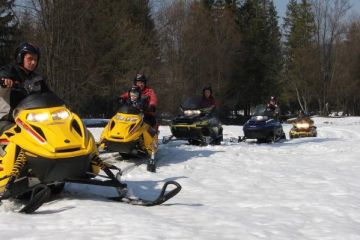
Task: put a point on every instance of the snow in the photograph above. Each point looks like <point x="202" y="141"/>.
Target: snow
<point x="305" y="188"/>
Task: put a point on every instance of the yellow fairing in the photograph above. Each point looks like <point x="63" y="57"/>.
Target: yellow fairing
<point x="125" y="128"/>
<point x="6" y="164"/>
<point x="302" y="133"/>
<point x="58" y="136"/>
<point x="50" y="133"/>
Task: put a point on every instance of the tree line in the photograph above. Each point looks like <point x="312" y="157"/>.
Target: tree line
<point x="91" y="50"/>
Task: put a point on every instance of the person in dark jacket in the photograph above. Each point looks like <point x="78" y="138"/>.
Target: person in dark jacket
<point x="207" y="98"/>
<point x="27" y="57"/>
<point x="147" y="93"/>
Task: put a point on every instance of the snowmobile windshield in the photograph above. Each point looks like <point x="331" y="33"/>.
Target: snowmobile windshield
<point x="40" y="100"/>
<point x="128" y="109"/>
<point x="196" y="103"/>
<point x="304" y="120"/>
<point x="262" y="110"/>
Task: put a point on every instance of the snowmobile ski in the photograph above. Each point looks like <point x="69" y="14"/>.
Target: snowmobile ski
<point x="40" y="193"/>
<point x="163" y="196"/>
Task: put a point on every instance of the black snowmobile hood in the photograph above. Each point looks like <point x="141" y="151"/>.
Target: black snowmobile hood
<point x="40" y="100"/>
<point x="128" y="109"/>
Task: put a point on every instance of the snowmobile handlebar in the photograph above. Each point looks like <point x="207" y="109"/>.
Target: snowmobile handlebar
<point x="30" y="86"/>
<point x="3" y="85"/>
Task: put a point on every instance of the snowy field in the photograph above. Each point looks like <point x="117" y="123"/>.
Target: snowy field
<point x="298" y="189"/>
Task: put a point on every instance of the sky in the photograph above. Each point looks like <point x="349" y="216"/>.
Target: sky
<point x="281" y="7"/>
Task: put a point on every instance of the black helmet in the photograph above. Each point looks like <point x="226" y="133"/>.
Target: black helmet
<point x="140" y="77"/>
<point x="24" y="48"/>
<point x="136" y="91"/>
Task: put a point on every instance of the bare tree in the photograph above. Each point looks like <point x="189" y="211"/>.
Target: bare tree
<point x="346" y="83"/>
<point x="329" y="16"/>
<point x="90" y="66"/>
<point x="198" y="47"/>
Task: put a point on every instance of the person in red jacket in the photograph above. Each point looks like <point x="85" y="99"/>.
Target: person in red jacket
<point x="149" y="95"/>
<point x="207" y="98"/>
<point x="273" y="107"/>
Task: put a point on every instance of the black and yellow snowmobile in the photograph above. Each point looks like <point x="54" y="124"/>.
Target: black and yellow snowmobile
<point x="48" y="146"/>
<point x="303" y="127"/>
<point x="128" y="134"/>
<point x="198" y="124"/>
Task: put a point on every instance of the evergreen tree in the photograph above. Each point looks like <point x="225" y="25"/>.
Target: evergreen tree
<point x="260" y="61"/>
<point x="300" y="58"/>
<point x="8" y="31"/>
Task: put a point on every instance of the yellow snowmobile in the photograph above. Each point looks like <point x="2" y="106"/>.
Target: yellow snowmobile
<point x="48" y="146"/>
<point x="303" y="127"/>
<point x="128" y="134"/>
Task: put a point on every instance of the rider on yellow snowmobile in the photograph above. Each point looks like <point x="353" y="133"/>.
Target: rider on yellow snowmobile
<point x="129" y="132"/>
<point x="134" y="99"/>
<point x="27" y="57"/>
<point x="149" y="112"/>
<point x="303" y="126"/>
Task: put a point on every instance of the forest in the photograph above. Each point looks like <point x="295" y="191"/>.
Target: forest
<point x="91" y="50"/>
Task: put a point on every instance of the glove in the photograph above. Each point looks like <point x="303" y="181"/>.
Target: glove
<point x="6" y="82"/>
<point x="137" y="105"/>
<point x="121" y="101"/>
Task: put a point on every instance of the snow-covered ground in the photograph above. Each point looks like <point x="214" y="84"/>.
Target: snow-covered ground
<point x="299" y="189"/>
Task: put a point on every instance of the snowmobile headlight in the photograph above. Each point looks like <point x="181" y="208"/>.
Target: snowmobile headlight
<point x="119" y="117"/>
<point x="37" y="117"/>
<point x="132" y="119"/>
<point x="60" y="115"/>
<point x="192" y="112"/>
<point x="261" y="118"/>
<point x="303" y="125"/>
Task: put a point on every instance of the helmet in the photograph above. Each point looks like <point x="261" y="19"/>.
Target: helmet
<point x="273" y="98"/>
<point x="24" y="48"/>
<point x="135" y="91"/>
<point x="140" y="77"/>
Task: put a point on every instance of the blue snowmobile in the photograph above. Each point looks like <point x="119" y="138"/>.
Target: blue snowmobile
<point x="264" y="126"/>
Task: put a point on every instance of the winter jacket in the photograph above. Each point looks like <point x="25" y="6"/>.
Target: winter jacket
<point x="139" y="104"/>
<point x="274" y="109"/>
<point x="10" y="98"/>
<point x="152" y="99"/>
<point x="206" y="102"/>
